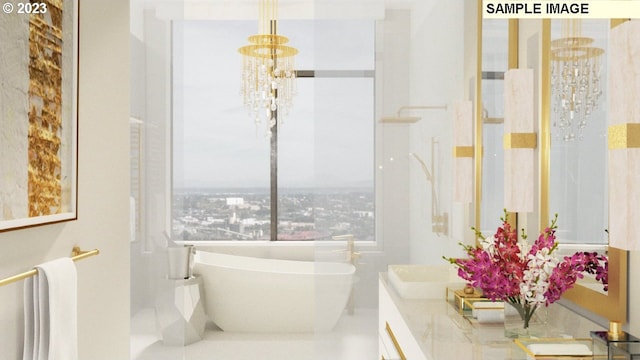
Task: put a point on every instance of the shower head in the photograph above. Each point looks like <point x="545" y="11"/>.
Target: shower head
<point x="424" y="167"/>
<point x="399" y="119"/>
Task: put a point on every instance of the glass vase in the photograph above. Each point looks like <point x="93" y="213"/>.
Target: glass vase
<point x="524" y="320"/>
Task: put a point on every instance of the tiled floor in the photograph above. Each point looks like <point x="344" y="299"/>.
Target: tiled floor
<point x="354" y="338"/>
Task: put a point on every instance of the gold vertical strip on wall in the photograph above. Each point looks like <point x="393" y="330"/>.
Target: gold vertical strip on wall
<point x="513" y="61"/>
<point x="545" y="122"/>
<point x="478" y="128"/>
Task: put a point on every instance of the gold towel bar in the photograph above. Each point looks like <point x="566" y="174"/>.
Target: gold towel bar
<point x="76" y="254"/>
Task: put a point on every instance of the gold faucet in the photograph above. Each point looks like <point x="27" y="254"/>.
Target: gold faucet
<point x="352" y="257"/>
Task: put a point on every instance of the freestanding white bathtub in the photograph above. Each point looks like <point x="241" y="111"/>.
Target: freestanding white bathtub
<point x="246" y="294"/>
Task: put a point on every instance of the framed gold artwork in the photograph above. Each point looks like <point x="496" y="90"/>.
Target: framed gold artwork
<point x="38" y="113"/>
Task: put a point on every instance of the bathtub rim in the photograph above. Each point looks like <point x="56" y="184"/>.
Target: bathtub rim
<point x="297" y="263"/>
<point x="367" y="245"/>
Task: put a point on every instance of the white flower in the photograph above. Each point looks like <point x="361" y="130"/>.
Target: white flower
<point x="489" y="245"/>
<point x="536" y="277"/>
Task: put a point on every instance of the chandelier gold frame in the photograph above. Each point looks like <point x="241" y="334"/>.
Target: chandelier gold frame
<point x="268" y="70"/>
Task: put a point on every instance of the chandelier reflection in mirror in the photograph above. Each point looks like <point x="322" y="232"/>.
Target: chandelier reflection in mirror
<point x="268" y="71"/>
<point x="575" y="80"/>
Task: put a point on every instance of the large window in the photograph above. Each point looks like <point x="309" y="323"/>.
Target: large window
<point x="221" y="158"/>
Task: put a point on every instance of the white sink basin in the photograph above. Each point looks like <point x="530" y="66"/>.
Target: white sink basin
<point x="423" y="281"/>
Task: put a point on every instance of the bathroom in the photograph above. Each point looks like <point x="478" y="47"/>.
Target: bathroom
<point x="373" y="83"/>
<point x="125" y="80"/>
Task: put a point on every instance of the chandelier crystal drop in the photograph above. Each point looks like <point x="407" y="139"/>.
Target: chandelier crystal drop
<point x="575" y="80"/>
<point x="268" y="70"/>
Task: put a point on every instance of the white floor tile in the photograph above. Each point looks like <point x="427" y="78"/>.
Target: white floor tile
<point x="354" y="338"/>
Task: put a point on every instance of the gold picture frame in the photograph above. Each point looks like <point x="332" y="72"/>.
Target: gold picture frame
<point x="39" y="114"/>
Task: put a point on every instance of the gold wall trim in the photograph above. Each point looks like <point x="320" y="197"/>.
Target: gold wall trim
<point x="463" y="151"/>
<point x="494" y="120"/>
<point x="613" y="305"/>
<point x="624" y="136"/>
<point x="616" y="22"/>
<point x="520" y="140"/>
<point x="513" y="62"/>
<point x="479" y="122"/>
<point x="513" y="43"/>
<point x="395" y="341"/>
<point x="545" y="123"/>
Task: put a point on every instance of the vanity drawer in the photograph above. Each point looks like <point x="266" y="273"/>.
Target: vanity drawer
<point x="389" y="347"/>
<point x="395" y="337"/>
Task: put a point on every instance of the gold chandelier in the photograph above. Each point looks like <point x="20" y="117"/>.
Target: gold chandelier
<point x="268" y="71"/>
<point x="575" y="80"/>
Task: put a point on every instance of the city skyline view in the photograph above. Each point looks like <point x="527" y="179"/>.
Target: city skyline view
<point x="245" y="214"/>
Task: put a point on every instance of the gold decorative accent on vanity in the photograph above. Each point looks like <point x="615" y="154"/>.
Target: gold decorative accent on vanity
<point x="458" y="297"/>
<point x="520" y="140"/>
<point x="578" y="348"/>
<point x="624" y="136"/>
<point x="615" y="329"/>
<point x="395" y="341"/>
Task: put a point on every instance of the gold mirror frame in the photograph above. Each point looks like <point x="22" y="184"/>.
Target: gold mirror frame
<point x="512" y="63"/>
<point x="477" y="148"/>
<point x="613" y="305"/>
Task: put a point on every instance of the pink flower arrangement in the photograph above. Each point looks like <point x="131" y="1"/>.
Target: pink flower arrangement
<point x="506" y="269"/>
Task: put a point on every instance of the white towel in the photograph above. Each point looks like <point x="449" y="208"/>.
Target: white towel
<point x="29" y="320"/>
<point x="560" y="349"/>
<point x="32" y="319"/>
<point x="490" y="316"/>
<point x="51" y="315"/>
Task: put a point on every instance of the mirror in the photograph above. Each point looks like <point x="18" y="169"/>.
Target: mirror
<point x="499" y="54"/>
<point x="570" y="175"/>
<point x="578" y="154"/>
<point x="574" y="154"/>
<point x="496" y="60"/>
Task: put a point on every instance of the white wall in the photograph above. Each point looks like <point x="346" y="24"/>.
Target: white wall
<point x="392" y="140"/>
<point x="437" y="78"/>
<point x="151" y="102"/>
<point x="103" y="199"/>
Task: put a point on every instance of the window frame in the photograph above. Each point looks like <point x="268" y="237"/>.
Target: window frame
<point x="301" y="75"/>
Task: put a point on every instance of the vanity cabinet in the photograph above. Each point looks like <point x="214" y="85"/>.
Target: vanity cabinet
<point x="396" y="340"/>
<point x="433" y="329"/>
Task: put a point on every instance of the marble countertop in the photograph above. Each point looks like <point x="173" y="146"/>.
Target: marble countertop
<point x="443" y="333"/>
